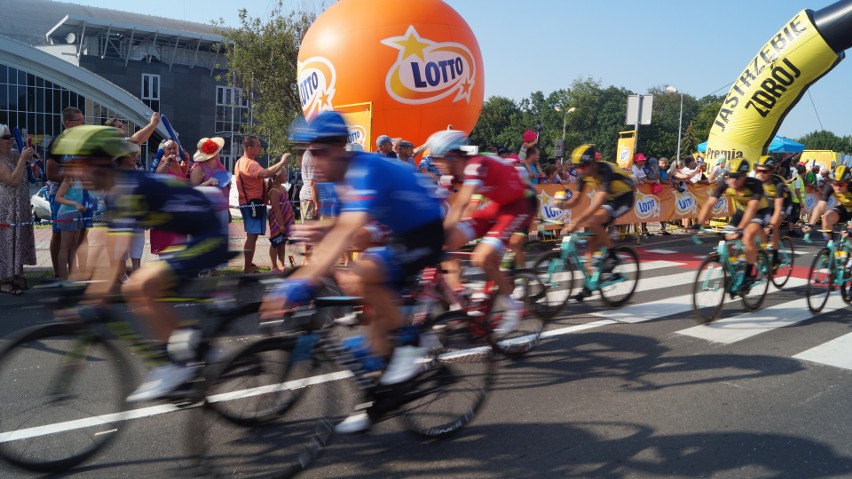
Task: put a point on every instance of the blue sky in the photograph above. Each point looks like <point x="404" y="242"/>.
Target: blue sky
<point x="528" y="45"/>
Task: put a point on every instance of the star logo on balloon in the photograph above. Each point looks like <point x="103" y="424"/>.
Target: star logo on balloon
<point x="315" y="80"/>
<point x="427" y="71"/>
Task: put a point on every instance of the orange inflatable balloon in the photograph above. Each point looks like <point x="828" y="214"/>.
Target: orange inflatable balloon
<point x="417" y="62"/>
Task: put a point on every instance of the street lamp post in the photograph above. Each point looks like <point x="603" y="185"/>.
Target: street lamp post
<point x="565" y="118"/>
<point x="672" y="89"/>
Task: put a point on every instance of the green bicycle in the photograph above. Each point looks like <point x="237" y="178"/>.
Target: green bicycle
<point x="831" y="268"/>
<point x="615" y="274"/>
<point x="724" y="272"/>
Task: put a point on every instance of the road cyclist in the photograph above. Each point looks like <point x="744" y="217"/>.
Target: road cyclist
<point x="780" y="251"/>
<point x="400" y="205"/>
<point x="753" y="212"/>
<point x="613" y="194"/>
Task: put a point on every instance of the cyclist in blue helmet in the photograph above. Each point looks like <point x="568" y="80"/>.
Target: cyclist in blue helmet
<point x="377" y="195"/>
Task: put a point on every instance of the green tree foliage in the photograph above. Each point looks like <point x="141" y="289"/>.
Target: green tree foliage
<point x="826" y="140"/>
<point x="262" y="55"/>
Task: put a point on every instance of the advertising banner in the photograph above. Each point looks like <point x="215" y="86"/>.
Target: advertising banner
<point x="359" y="118"/>
<point x="625" y="149"/>
<point x="771" y="84"/>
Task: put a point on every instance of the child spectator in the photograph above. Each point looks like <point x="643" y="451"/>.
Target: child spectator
<point x="281" y="219"/>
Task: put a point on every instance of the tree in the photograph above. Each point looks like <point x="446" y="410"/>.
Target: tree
<point x="826" y="140"/>
<point x="262" y="56"/>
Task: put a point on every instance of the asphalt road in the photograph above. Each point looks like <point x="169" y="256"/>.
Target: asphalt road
<point x="637" y="392"/>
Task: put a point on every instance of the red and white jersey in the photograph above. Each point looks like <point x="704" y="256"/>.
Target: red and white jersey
<point x="495" y="179"/>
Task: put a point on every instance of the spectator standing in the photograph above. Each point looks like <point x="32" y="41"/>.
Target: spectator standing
<point x="252" y="196"/>
<point x="529" y="155"/>
<point x="811" y="179"/>
<point x="70" y="218"/>
<point x="137" y="239"/>
<point x="208" y="169"/>
<point x="17" y="244"/>
<point x="664" y="179"/>
<point x="71" y="117"/>
<point x="384" y="146"/>
<point x="170" y="164"/>
<point x="797" y="190"/>
<point x="406" y="153"/>
<point x="281" y="218"/>
<point x="308" y="195"/>
<point x="718" y="173"/>
<point x="427" y="167"/>
<point x="551" y="175"/>
<point x="640" y="177"/>
<point x="140" y="136"/>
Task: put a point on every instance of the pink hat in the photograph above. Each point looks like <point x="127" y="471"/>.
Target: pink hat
<point x="529" y="136"/>
<point x="639" y="157"/>
<point x="513" y="157"/>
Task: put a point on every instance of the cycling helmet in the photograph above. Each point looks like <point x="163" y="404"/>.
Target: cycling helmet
<point x="585" y="155"/>
<point x="90" y="141"/>
<point x="840" y="174"/>
<point x="767" y="161"/>
<point x="446" y="141"/>
<point x="738" y="167"/>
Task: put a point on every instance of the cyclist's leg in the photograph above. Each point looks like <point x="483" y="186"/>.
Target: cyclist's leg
<point x="382" y="302"/>
<point x="830" y="218"/>
<point x="750" y="232"/>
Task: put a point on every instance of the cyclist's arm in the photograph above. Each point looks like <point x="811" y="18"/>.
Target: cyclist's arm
<point x="705" y="209"/>
<point x="597" y="201"/>
<point x="750" y="211"/>
<point x="460" y="203"/>
<point x="776" y="213"/>
<point x="336" y="242"/>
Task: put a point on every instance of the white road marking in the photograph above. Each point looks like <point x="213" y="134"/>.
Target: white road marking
<point x="833" y="353"/>
<point x="661" y="251"/>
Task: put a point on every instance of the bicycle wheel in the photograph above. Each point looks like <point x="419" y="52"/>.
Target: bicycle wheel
<point x="617" y="288"/>
<point x="709" y="288"/>
<point x="558" y="276"/>
<point x="453" y="388"/>
<point x="753" y="298"/>
<point x="528" y="289"/>
<point x="820" y="280"/>
<point x="786" y="257"/>
<point x="266" y="414"/>
<point x="64" y="393"/>
<point x="846" y="286"/>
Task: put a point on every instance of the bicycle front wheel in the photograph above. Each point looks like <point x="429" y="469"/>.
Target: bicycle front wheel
<point x="265" y="413"/>
<point x="709" y="288"/>
<point x="453" y="388"/>
<point x="782" y="270"/>
<point x="846" y="286"/>
<point x="64" y="391"/>
<point x="558" y="275"/>
<point x="753" y="298"/>
<point x="820" y="280"/>
<point x="617" y="287"/>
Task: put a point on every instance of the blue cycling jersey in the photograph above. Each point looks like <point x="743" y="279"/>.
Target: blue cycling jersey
<point x="143" y="200"/>
<point x="390" y="192"/>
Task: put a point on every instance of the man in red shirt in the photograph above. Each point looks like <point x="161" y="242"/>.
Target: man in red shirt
<point x="249" y="177"/>
<point x="509" y="210"/>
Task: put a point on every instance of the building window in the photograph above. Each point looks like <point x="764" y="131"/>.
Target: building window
<point x="151" y="91"/>
<point x="232" y="112"/>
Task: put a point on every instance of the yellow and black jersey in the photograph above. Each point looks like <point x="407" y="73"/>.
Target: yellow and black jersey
<point x="844" y="199"/>
<point x="776" y="188"/>
<point x="751" y="190"/>
<point x="611" y="179"/>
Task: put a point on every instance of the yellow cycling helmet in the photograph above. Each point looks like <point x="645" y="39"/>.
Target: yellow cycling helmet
<point x="90" y="141"/>
<point x="737" y="167"/>
<point x="767" y="161"/>
<point x="585" y="155"/>
<point x="841" y="174"/>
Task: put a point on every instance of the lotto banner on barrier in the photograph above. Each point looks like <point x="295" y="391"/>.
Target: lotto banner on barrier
<point x="359" y="117"/>
<point x="625" y="149"/>
<point x="669" y="204"/>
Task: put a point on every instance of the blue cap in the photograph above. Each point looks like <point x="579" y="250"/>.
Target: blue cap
<point x="328" y="124"/>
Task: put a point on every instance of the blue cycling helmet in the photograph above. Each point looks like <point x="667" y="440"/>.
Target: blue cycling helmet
<point x="328" y="125"/>
<point x="445" y="141"/>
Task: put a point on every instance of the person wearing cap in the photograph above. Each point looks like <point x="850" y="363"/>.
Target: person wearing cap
<point x="249" y="176"/>
<point x="382" y="203"/>
<point x="142" y="200"/>
<point x="136" y="244"/>
<point x="406" y="153"/>
<point x="836" y="185"/>
<point x="384" y="146"/>
<point x="208" y="171"/>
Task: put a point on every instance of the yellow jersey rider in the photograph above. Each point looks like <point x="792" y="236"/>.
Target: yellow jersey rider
<point x="779" y="196"/>
<point x="838" y="186"/>
<point x="614" y="196"/>
<point x="753" y="210"/>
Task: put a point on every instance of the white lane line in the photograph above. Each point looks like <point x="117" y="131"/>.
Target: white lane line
<point x="641" y="312"/>
<point x="833" y="353"/>
<point x="746" y="325"/>
<point x="661" y="251"/>
<point x="651" y="265"/>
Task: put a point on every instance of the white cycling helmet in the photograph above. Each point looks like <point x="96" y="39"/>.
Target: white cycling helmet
<point x="445" y="141"/>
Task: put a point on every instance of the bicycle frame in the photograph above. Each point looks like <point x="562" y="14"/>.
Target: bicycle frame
<point x="724" y="249"/>
<point x="570" y="251"/>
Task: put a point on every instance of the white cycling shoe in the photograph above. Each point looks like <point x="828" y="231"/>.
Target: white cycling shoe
<point x="512" y="315"/>
<point x="403" y="365"/>
<point x="358" y="422"/>
<point x="162" y="380"/>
